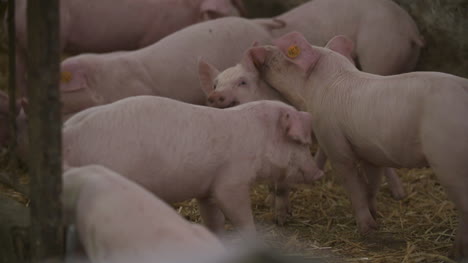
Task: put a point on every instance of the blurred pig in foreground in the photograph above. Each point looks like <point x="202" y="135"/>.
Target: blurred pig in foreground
<point x="119" y="221"/>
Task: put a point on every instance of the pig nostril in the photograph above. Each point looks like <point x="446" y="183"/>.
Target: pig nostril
<point x="210" y="101"/>
<point x="221" y="99"/>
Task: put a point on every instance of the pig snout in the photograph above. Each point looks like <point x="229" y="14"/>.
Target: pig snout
<point x="304" y="173"/>
<point x="220" y="100"/>
<point x="311" y="172"/>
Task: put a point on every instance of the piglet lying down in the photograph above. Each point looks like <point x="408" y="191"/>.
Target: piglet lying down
<point x="181" y="151"/>
<point x="119" y="221"/>
<point x="409" y="120"/>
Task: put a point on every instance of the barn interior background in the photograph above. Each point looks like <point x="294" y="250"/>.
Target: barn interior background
<point x="419" y="228"/>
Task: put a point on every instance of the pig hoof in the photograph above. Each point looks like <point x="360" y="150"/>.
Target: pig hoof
<point x="399" y="195"/>
<point x="280" y="220"/>
<point x="270" y="200"/>
<point x="368" y="227"/>
<point x="459" y="251"/>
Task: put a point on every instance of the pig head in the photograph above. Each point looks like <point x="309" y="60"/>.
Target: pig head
<point x="291" y="152"/>
<point x="236" y="85"/>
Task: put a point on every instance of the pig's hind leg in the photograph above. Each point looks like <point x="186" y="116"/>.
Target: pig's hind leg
<point x="234" y="201"/>
<point x="395" y="184"/>
<point x="452" y="172"/>
<point x="211" y="215"/>
<point x="374" y="179"/>
<point x="278" y="200"/>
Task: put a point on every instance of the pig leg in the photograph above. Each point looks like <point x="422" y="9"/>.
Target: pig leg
<point x="75" y="252"/>
<point x="344" y="161"/>
<point x="282" y="205"/>
<point x="448" y="159"/>
<point x="320" y="159"/>
<point x="211" y="215"/>
<point x="460" y="249"/>
<point x="270" y="200"/>
<point x="395" y="184"/>
<point x="456" y="190"/>
<point x="357" y="190"/>
<point x="278" y="201"/>
<point x="453" y="175"/>
<point x="234" y="201"/>
<point x="374" y="179"/>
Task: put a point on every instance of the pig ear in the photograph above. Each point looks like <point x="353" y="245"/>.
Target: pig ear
<point x="207" y="74"/>
<point x="297" y="126"/>
<point x="212" y="9"/>
<point x="72" y="78"/>
<point x="296" y="48"/>
<point x="343" y="45"/>
<point x="239" y="4"/>
<point x="254" y="58"/>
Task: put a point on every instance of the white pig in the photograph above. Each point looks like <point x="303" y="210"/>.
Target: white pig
<point x="120" y="221"/>
<point x="242" y="83"/>
<point x="167" y="68"/>
<point x="114" y="25"/>
<point x="409" y="120"/>
<point x="387" y="39"/>
<point x="181" y="151"/>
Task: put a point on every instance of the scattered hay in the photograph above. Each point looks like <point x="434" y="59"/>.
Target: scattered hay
<point x="419" y="228"/>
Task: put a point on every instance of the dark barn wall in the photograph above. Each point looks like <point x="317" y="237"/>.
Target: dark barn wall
<point x="443" y="23"/>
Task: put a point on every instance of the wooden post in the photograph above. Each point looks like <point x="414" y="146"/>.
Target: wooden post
<point x="14" y="215"/>
<point x="47" y="238"/>
<point x="12" y="76"/>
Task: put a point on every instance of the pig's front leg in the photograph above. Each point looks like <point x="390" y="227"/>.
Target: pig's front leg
<point x="395" y="184"/>
<point x="211" y="215"/>
<point x="357" y="190"/>
<point x="270" y="200"/>
<point x="320" y="158"/>
<point x="282" y="204"/>
<point x="278" y="200"/>
<point x="234" y="201"/>
<point x="75" y="252"/>
<point x="374" y="179"/>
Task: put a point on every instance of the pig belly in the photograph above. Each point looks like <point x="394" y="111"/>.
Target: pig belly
<point x="403" y="155"/>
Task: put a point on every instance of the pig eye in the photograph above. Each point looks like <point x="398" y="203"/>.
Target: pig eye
<point x="242" y="83"/>
<point x="214" y="86"/>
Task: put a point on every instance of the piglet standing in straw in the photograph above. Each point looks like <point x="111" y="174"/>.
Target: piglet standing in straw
<point x="410" y="120"/>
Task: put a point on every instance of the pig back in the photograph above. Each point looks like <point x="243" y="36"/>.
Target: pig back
<point x="172" y="62"/>
<point x="140" y="136"/>
<point x="117" y="218"/>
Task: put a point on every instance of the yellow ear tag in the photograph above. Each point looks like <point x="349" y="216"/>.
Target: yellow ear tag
<point x="66" y="76"/>
<point x="293" y="51"/>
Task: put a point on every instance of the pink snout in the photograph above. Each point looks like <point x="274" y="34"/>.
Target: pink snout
<point x="311" y="172"/>
<point x="220" y="100"/>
